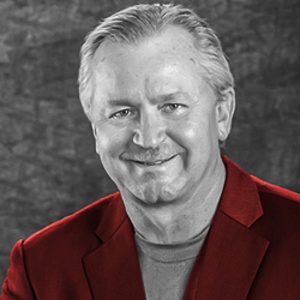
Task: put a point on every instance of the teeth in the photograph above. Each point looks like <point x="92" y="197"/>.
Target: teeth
<point x="159" y="162"/>
<point x="155" y="163"/>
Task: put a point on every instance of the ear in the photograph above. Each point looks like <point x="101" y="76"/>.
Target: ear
<point x="224" y="113"/>
<point x="94" y="130"/>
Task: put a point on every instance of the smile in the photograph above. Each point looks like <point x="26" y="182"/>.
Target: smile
<point x="153" y="163"/>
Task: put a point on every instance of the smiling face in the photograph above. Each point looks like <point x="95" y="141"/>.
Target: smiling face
<point x="155" y="118"/>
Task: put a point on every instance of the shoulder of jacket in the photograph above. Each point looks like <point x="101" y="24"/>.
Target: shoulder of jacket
<point x="275" y="191"/>
<point x="85" y="219"/>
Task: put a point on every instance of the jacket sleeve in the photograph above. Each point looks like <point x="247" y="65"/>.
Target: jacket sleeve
<point x="16" y="286"/>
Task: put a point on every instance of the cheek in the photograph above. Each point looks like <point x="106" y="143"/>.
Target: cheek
<point x="197" y="136"/>
<point x="189" y="133"/>
<point x="111" y="141"/>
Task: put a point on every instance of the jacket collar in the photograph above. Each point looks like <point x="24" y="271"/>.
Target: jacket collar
<point x="114" y="215"/>
<point x="240" y="198"/>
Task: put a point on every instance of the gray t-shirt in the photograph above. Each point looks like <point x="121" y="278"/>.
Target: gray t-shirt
<point x="166" y="268"/>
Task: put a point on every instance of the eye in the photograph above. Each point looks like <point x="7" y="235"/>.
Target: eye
<point x="172" y="107"/>
<point x="122" y="114"/>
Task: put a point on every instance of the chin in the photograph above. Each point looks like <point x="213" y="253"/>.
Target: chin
<point x="157" y="194"/>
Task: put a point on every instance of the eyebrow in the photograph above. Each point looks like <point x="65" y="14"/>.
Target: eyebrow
<point x="171" y="96"/>
<point x="159" y="98"/>
<point x="119" y="102"/>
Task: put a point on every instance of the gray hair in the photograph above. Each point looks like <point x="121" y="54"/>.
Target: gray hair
<point x="136" y="22"/>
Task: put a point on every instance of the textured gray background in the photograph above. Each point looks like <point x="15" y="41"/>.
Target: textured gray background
<point x="48" y="167"/>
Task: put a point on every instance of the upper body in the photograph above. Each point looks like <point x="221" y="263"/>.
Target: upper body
<point x="251" y="250"/>
<point x="158" y="91"/>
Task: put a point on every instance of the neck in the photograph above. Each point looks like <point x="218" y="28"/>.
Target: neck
<point x="181" y="221"/>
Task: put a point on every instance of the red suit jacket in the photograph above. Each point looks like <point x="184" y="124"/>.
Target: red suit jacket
<point x="252" y="250"/>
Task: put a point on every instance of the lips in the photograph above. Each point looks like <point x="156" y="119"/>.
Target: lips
<point x="155" y="162"/>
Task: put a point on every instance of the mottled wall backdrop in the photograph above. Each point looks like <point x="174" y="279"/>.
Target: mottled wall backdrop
<point x="48" y="167"/>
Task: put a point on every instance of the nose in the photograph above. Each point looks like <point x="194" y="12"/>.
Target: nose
<point x="150" y="131"/>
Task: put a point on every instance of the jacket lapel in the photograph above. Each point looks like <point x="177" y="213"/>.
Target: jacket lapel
<point x="232" y="253"/>
<point x="112" y="269"/>
<point x="228" y="262"/>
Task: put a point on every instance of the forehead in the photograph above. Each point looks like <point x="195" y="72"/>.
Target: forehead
<point x="171" y="39"/>
<point x="166" y="60"/>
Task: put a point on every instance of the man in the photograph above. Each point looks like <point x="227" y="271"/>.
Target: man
<point x="187" y="223"/>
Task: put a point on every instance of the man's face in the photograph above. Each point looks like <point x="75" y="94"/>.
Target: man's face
<point x="154" y="117"/>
